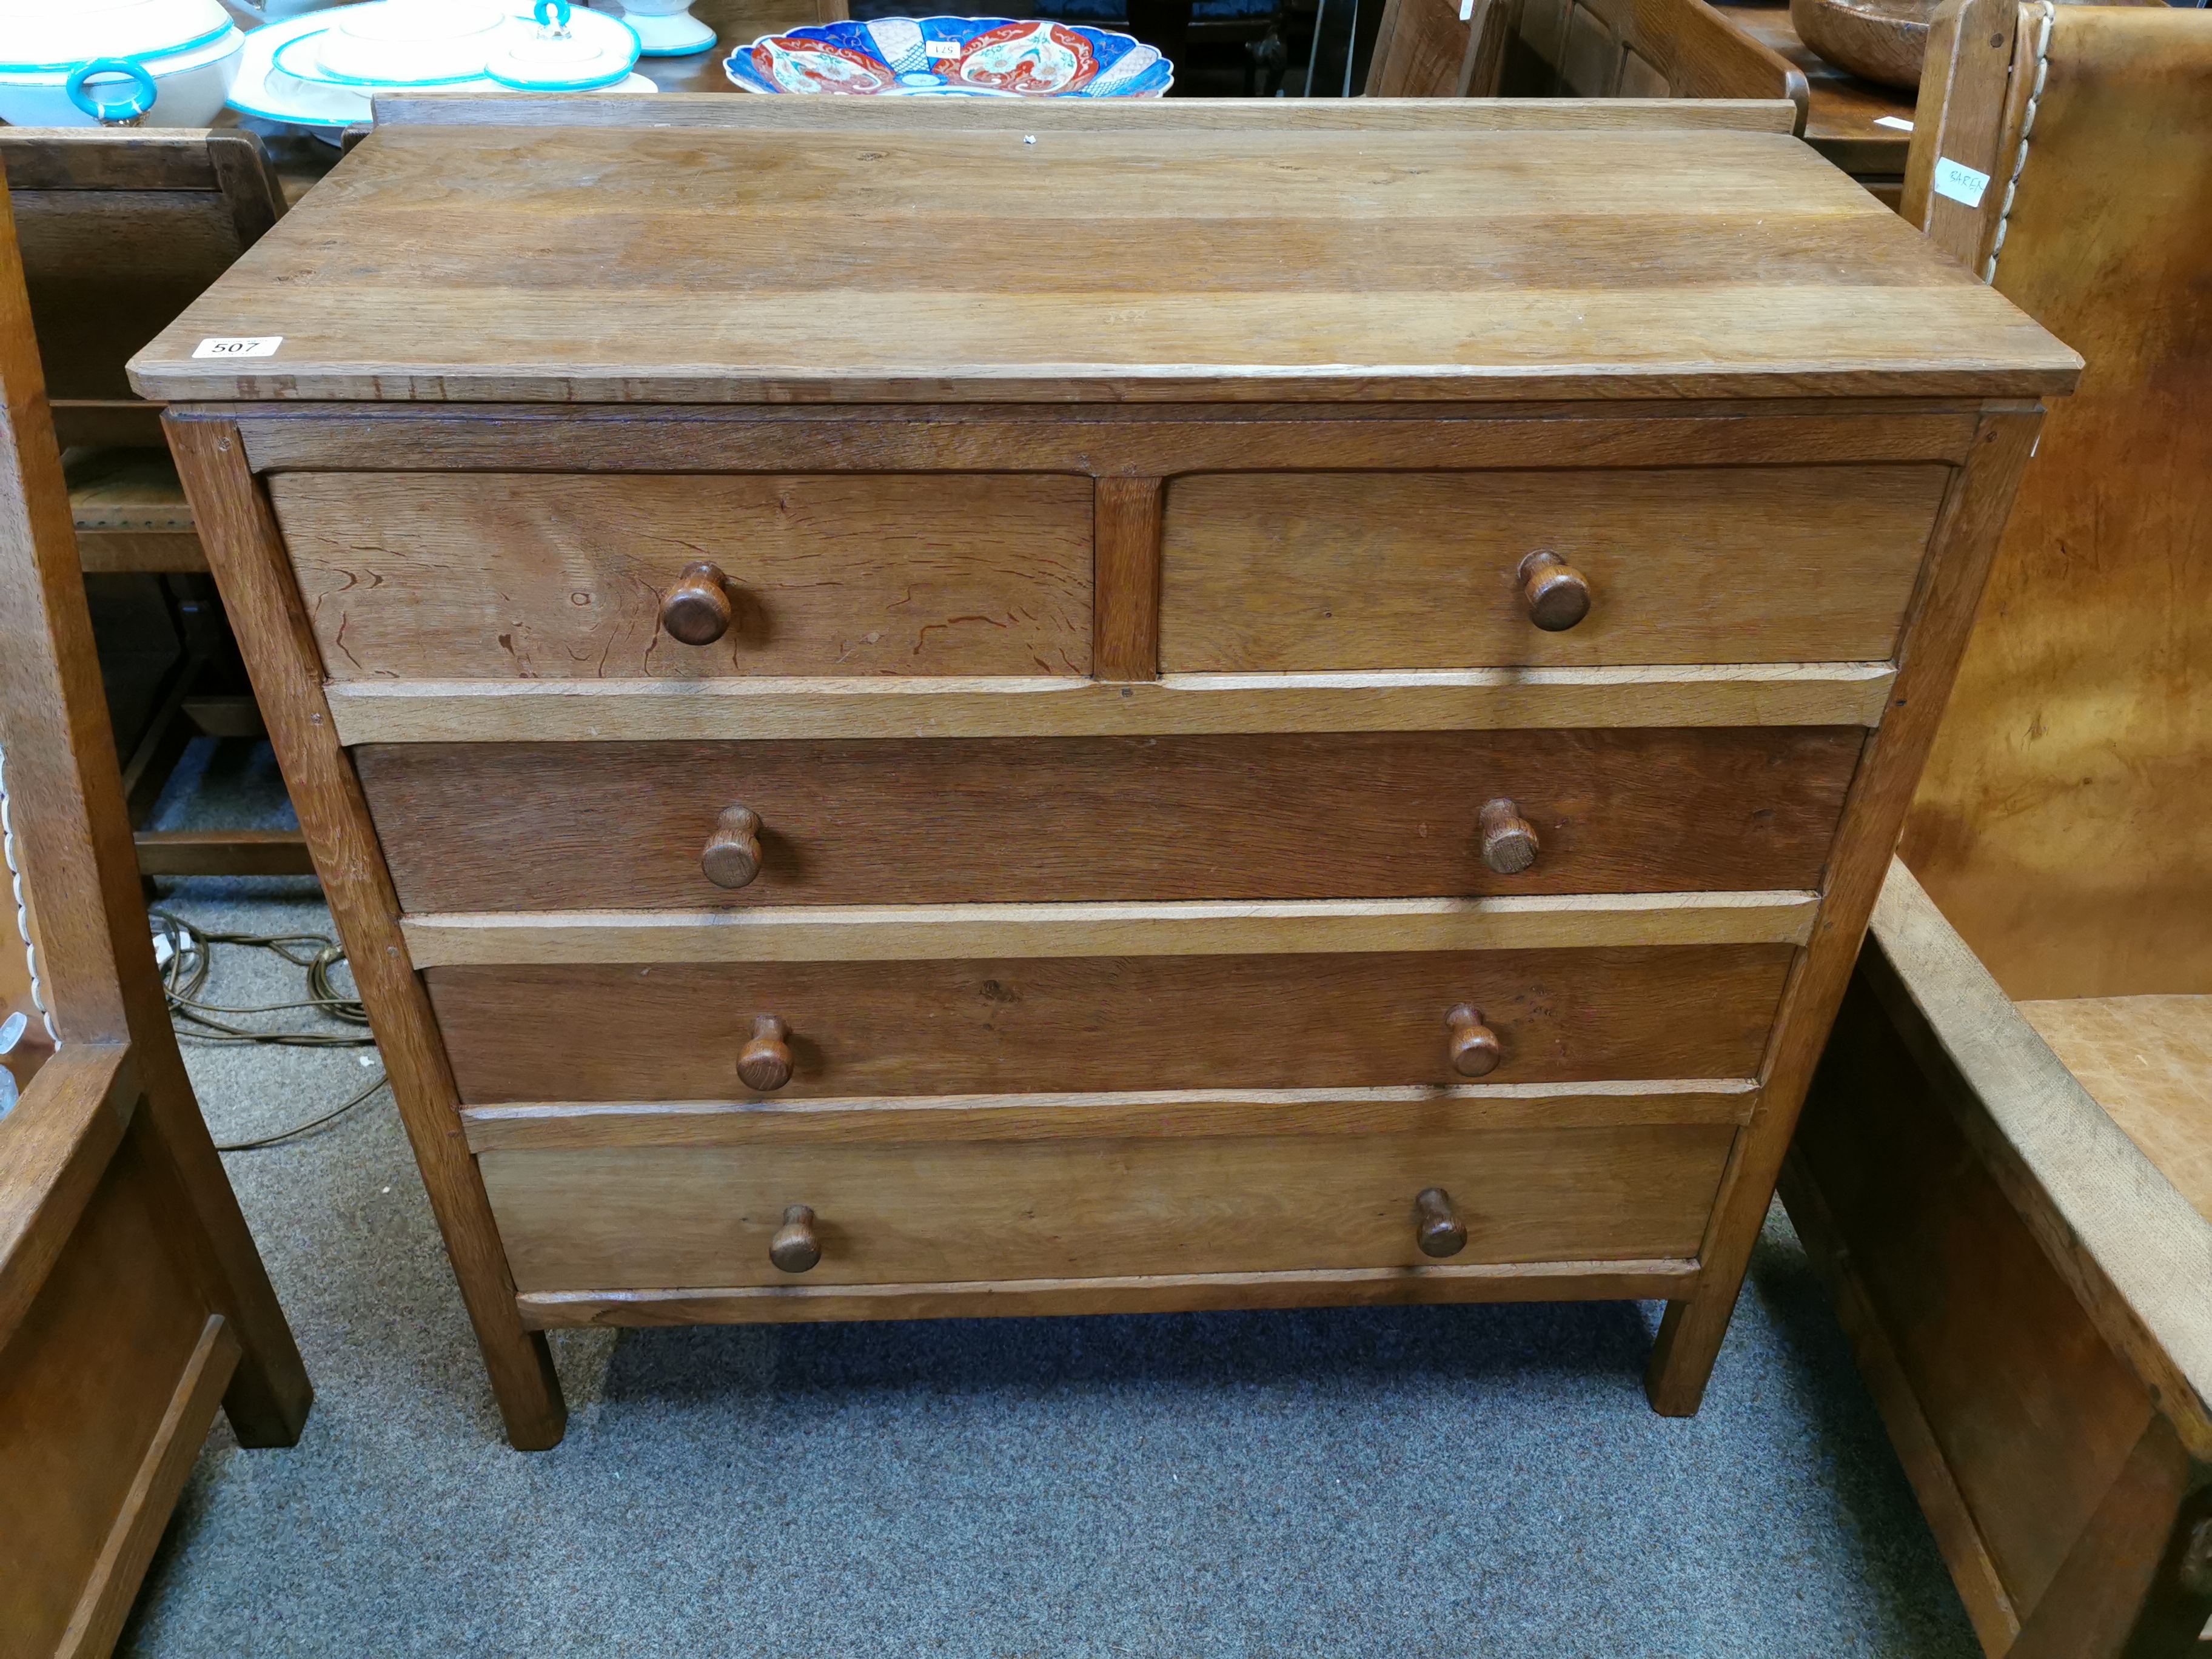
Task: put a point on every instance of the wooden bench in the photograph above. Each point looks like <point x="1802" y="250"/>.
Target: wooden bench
<point x="132" y="1300"/>
<point x="1574" y="49"/>
<point x="119" y="231"/>
<point x="2004" y="1167"/>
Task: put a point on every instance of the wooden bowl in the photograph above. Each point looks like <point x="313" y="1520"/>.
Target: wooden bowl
<point x="1883" y="40"/>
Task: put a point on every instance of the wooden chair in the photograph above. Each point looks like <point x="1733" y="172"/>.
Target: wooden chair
<point x="132" y="1300"/>
<point x="119" y="231"/>
<point x="1574" y="49"/>
<point x="2005" y="1167"/>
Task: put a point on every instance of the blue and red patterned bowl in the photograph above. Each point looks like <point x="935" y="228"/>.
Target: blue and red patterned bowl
<point x="953" y="58"/>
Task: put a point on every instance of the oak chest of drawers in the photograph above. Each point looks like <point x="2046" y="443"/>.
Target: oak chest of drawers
<point x="928" y="710"/>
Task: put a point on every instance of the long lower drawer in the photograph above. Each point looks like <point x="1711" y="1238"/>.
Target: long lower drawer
<point x="674" y="1031"/>
<point x="475" y="827"/>
<point x="630" y="1216"/>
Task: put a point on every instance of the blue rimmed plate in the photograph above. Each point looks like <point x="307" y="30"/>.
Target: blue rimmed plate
<point x="953" y="58"/>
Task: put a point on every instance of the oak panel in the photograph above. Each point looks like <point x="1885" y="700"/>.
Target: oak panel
<point x="503" y="576"/>
<point x="1017" y="1026"/>
<point x="1649" y="1280"/>
<point x="1699" y="565"/>
<point x="609" y="826"/>
<point x="790" y="262"/>
<point x="2147" y="1062"/>
<point x="86" y="1377"/>
<point x="672" y="1216"/>
<point x="1183" y="928"/>
<point x="1407" y="700"/>
<point x="1150" y="441"/>
<point x="2030" y="1413"/>
<point x="539" y="1125"/>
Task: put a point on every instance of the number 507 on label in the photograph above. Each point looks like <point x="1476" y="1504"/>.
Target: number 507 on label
<point x="250" y="345"/>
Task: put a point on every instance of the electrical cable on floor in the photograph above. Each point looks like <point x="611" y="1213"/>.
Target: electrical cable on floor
<point x="186" y="954"/>
<point x="313" y="1123"/>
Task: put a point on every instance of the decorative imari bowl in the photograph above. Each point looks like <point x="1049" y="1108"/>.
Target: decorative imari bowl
<point x="953" y="58"/>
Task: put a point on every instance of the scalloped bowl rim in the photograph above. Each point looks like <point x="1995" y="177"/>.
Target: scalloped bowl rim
<point x="817" y="32"/>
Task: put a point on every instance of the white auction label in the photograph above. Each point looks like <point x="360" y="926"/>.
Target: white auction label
<point x="1466" y="11"/>
<point x="941" y="48"/>
<point x="252" y="345"/>
<point x="1896" y="121"/>
<point x="1960" y="182"/>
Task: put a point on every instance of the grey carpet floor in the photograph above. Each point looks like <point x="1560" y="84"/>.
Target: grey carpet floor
<point x="1417" y="1481"/>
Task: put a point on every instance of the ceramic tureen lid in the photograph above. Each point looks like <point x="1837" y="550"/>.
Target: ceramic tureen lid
<point x="44" y="35"/>
<point x="569" y="50"/>
<point x="391" y="44"/>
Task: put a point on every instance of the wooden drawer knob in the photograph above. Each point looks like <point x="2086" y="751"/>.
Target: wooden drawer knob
<point x="796" y="1247"/>
<point x="697" y="610"/>
<point x="1557" y="594"/>
<point x="1438" y="1229"/>
<point x="1475" y="1049"/>
<point x="732" y="855"/>
<point x="1509" y="840"/>
<point x="764" y="1063"/>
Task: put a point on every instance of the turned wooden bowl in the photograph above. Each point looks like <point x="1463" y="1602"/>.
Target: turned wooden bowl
<point x="1883" y="40"/>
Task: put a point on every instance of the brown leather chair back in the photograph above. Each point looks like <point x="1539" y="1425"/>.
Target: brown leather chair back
<point x="2064" y="824"/>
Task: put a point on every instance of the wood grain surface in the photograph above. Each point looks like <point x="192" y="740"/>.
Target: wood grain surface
<point x="86" y="1378"/>
<point x="996" y="1027"/>
<point x="74" y="846"/>
<point x="845" y="1120"/>
<point x="2133" y="1251"/>
<point x="2065" y="822"/>
<point x="790" y="262"/>
<point x="1965" y="1551"/>
<point x="1975" y="74"/>
<point x="1101" y="440"/>
<point x="514" y="577"/>
<point x="1843" y="113"/>
<point x="1127" y="568"/>
<point x="151" y="1499"/>
<point x="1647" y="1280"/>
<point x="1680" y="50"/>
<point x="1196" y="115"/>
<point x="2147" y="1062"/>
<point x="655" y="1217"/>
<point x="1192" y="927"/>
<point x="1936" y="626"/>
<point x="917" y="706"/>
<point x="67" y="1123"/>
<point x="2011" y="1270"/>
<point x="2035" y="1415"/>
<point x="1702" y="565"/>
<point x="264" y="604"/>
<point x="1427" y="49"/>
<point x="607" y="826"/>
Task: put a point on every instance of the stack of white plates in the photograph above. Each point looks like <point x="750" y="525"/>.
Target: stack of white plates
<point x="80" y="63"/>
<point x="321" y="71"/>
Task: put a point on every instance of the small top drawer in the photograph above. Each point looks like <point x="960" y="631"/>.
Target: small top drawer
<point x="1379" y="570"/>
<point x="505" y="576"/>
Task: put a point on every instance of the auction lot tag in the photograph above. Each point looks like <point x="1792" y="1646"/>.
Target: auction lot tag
<point x="250" y="345"/>
<point x="1960" y="182"/>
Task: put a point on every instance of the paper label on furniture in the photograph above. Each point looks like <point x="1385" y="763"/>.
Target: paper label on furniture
<point x="1960" y="182"/>
<point x="1896" y="121"/>
<point x="250" y="345"/>
<point x="1466" y="11"/>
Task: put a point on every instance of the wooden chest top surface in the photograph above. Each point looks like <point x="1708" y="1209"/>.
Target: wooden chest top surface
<point x="881" y="264"/>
